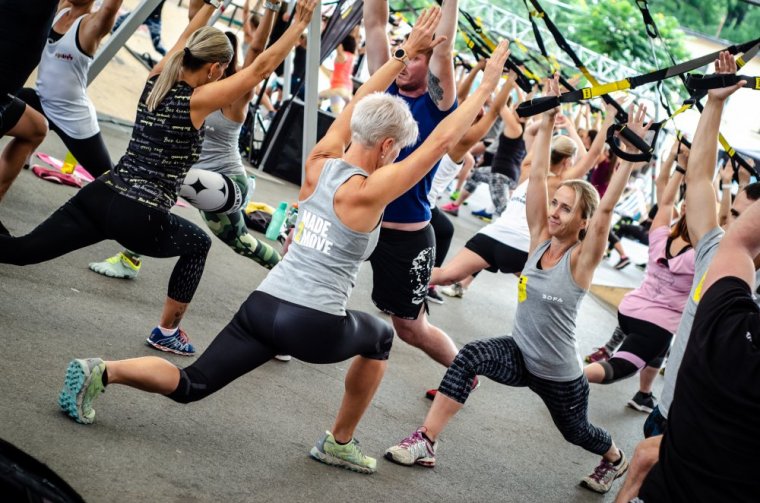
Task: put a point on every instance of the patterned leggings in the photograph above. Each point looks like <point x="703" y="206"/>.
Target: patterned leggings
<point x="228" y="224"/>
<point x="498" y="184"/>
<point x="501" y="360"/>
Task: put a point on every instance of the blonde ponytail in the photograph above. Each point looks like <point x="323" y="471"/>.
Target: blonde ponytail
<point x="205" y="45"/>
<point x="165" y="81"/>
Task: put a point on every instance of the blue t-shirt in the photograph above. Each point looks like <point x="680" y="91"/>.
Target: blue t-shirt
<point x="413" y="205"/>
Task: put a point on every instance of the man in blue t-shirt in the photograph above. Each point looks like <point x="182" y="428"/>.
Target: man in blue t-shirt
<point x="403" y="260"/>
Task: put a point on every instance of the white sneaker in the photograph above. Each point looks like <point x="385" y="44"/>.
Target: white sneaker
<point x="455" y="290"/>
<point x="283" y="358"/>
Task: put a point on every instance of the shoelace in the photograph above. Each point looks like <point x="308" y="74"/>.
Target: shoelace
<point x="602" y="470"/>
<point x="182" y="336"/>
<point x="416" y="443"/>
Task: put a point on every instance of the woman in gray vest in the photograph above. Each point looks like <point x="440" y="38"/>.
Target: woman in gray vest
<point x="300" y="308"/>
<point x="568" y="236"/>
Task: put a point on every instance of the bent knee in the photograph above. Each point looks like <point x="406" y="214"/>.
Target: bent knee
<point x="191" y="388"/>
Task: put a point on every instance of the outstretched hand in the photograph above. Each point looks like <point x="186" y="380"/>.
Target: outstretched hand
<point x="726" y="63"/>
<point x="636" y="123"/>
<point x="495" y="66"/>
<point x="305" y="10"/>
<point x="422" y="38"/>
<point x="551" y="88"/>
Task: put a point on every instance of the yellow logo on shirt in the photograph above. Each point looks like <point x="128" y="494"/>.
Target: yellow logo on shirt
<point x="522" y="289"/>
<point x="698" y="290"/>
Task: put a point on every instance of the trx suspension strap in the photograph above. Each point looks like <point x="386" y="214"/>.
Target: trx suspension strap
<point x="476" y="36"/>
<point x="698" y="90"/>
<point x="621" y="115"/>
<point x="543" y="104"/>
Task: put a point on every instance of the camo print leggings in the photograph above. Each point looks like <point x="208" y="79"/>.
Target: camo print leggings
<point x="230" y="228"/>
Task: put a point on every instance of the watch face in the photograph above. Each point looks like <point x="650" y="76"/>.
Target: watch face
<point x="400" y="53"/>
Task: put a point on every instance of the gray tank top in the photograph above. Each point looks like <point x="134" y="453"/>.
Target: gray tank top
<point x="544" y="328"/>
<point x="219" y="152"/>
<point x="319" y="270"/>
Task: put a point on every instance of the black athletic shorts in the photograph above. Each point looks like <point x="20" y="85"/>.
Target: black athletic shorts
<point x="499" y="256"/>
<point x="11" y="110"/>
<point x="402" y="265"/>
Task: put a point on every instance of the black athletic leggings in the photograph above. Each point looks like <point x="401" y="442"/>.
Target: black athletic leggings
<point x="444" y="232"/>
<point x="97" y="213"/>
<point x="501" y="360"/>
<point x="265" y="326"/>
<point x="645" y="344"/>
<point x="90" y="152"/>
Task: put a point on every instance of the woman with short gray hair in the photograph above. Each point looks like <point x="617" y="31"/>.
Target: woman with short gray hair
<point x="300" y="307"/>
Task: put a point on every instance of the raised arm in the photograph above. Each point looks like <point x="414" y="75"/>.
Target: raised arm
<point x="666" y="200"/>
<point x="701" y="206"/>
<point x="337" y="138"/>
<point x="665" y="169"/>
<point x="215" y="95"/>
<point x="260" y="37"/>
<point x="463" y="90"/>
<point x="198" y="21"/>
<point x="588" y="255"/>
<point x="726" y="179"/>
<point x="738" y="249"/>
<point x="97" y="25"/>
<point x="390" y="182"/>
<point x="478" y="130"/>
<point x="441" y="83"/>
<point x="536" y="197"/>
<point x="588" y="160"/>
<point x="258" y="44"/>
<point x="376" y="34"/>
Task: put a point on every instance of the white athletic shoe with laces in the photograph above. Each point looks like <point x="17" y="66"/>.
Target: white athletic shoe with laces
<point x="414" y="449"/>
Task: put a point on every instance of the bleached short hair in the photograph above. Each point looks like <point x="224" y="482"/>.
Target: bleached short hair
<point x="378" y="116"/>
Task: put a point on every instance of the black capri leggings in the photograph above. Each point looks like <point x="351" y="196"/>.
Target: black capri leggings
<point x="90" y="152"/>
<point x="645" y="344"/>
<point x="444" y="232"/>
<point x="265" y="326"/>
<point x="500" y="257"/>
<point x="501" y="360"/>
<point x="97" y="213"/>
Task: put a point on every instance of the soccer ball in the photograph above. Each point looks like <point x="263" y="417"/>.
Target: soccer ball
<point x="205" y="190"/>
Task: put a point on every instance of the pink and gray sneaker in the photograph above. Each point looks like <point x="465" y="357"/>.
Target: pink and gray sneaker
<point x="605" y="474"/>
<point x="451" y="209"/>
<point x="414" y="449"/>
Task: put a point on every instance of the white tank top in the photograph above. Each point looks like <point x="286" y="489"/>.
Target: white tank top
<point x="511" y="228"/>
<point x="62" y="84"/>
<point x="447" y="170"/>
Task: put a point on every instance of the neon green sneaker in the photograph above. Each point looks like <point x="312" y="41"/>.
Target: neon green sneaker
<point x="84" y="381"/>
<point x="347" y="456"/>
<point x="118" y="266"/>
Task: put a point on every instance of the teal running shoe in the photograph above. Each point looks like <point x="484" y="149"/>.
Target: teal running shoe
<point x="84" y="381"/>
<point x="347" y="456"/>
<point x="118" y="266"/>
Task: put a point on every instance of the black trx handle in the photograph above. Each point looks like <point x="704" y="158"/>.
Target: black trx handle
<point x="645" y="150"/>
<point x="651" y="26"/>
<point x="717" y="80"/>
<point x="537" y="106"/>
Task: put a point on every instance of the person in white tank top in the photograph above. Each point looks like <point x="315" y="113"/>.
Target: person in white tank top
<point x="61" y="93"/>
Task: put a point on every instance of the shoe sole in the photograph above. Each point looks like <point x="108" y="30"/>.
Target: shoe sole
<point x="600" y="490"/>
<point x="71" y="396"/>
<point x="640" y="408"/>
<point x="424" y="462"/>
<point x="111" y="274"/>
<point x="331" y="460"/>
<point x="168" y="350"/>
<point x="434" y="301"/>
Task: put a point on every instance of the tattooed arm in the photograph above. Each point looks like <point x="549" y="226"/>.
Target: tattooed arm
<point x="441" y="81"/>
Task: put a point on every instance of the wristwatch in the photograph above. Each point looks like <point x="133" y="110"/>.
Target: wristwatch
<point x="400" y="55"/>
<point x="214" y="3"/>
<point x="273" y="6"/>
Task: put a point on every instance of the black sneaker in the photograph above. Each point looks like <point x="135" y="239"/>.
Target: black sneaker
<point x="624" y="261"/>
<point x="434" y="296"/>
<point x="642" y="402"/>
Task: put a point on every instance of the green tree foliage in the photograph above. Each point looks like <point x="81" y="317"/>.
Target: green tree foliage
<point x="733" y="20"/>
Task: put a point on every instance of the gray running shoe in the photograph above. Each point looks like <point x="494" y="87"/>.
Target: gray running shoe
<point x="605" y="474"/>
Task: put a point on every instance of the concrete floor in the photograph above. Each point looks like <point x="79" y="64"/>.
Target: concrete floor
<point x="250" y="441"/>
